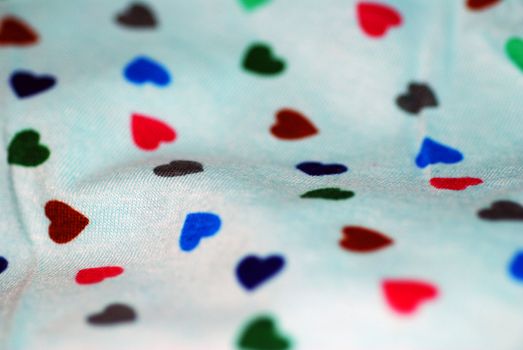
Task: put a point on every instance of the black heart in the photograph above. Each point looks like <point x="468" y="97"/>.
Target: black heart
<point x="178" y="168"/>
<point x="137" y="15"/>
<point x="26" y="84"/>
<point x="114" y="313"/>
<point x="418" y="97"/>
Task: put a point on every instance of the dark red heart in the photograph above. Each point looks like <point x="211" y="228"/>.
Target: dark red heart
<point x="14" y="31"/>
<point x="405" y="296"/>
<point x="292" y="125"/>
<point x="375" y="18"/>
<point x="477" y="5"/>
<point x="454" y="183"/>
<point x="363" y="240"/>
<point x="66" y="222"/>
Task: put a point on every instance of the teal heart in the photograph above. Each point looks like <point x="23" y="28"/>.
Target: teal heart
<point x="25" y="149"/>
<point x="251" y="4"/>
<point x="514" y="48"/>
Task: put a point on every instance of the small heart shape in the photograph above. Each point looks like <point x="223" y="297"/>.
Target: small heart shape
<point x="259" y="59"/>
<point x="502" y="210"/>
<point x="178" y="168"/>
<point x="3" y="264"/>
<point x="319" y="169"/>
<point x="137" y="16"/>
<point x="149" y="132"/>
<point x="196" y="227"/>
<point x="252" y="4"/>
<point x="376" y="19"/>
<point x="26" y="84"/>
<point x="516" y="267"/>
<point x="433" y="152"/>
<point x="25" y="149"/>
<point x="363" y="240"/>
<point x="253" y="271"/>
<point x="514" y="49"/>
<point x="113" y="314"/>
<point x="15" y="32"/>
<point x="478" y="5"/>
<point x="66" y="222"/>
<point x="143" y="70"/>
<point x="332" y="193"/>
<point x="97" y="274"/>
<point x="418" y="97"/>
<point x="261" y="334"/>
<point x="405" y="296"/>
<point x="454" y="183"/>
<point x="292" y="125"/>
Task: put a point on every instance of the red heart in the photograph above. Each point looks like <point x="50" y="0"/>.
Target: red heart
<point x="375" y="18"/>
<point x="14" y="31"/>
<point x="363" y="240"/>
<point x="454" y="183"/>
<point x="405" y="296"/>
<point x="148" y="132"/>
<point x="292" y="125"/>
<point x="66" y="223"/>
<point x="97" y="274"/>
<point x="477" y="5"/>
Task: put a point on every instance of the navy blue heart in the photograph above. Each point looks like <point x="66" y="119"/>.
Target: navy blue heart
<point x="253" y="271"/>
<point x="143" y="69"/>
<point x="26" y="84"/>
<point x="319" y="169"/>
<point x="432" y="152"/>
<point x="3" y="264"/>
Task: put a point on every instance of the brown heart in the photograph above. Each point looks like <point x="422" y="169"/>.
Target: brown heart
<point x="292" y="125"/>
<point x="363" y="240"/>
<point x="66" y="222"/>
<point x="14" y="31"/>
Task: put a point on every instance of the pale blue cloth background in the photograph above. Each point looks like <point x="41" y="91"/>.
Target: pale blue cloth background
<point x="346" y="83"/>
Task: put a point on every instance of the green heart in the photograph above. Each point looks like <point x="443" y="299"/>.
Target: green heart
<point x="328" y="193"/>
<point x="25" y="150"/>
<point x="261" y="334"/>
<point x="251" y="4"/>
<point x="514" y="48"/>
<point x="259" y="59"/>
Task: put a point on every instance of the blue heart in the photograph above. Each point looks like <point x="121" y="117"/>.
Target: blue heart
<point x="196" y="227"/>
<point x="432" y="152"/>
<point x="253" y="271"/>
<point x="3" y="264"/>
<point x="516" y="266"/>
<point x="26" y="84"/>
<point x="319" y="169"/>
<point x="142" y="70"/>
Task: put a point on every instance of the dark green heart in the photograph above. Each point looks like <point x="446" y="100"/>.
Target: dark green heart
<point x="333" y="193"/>
<point x="261" y="334"/>
<point x="260" y="60"/>
<point x="25" y="150"/>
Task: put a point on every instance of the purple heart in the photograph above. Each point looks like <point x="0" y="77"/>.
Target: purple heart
<point x="319" y="169"/>
<point x="26" y="84"/>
